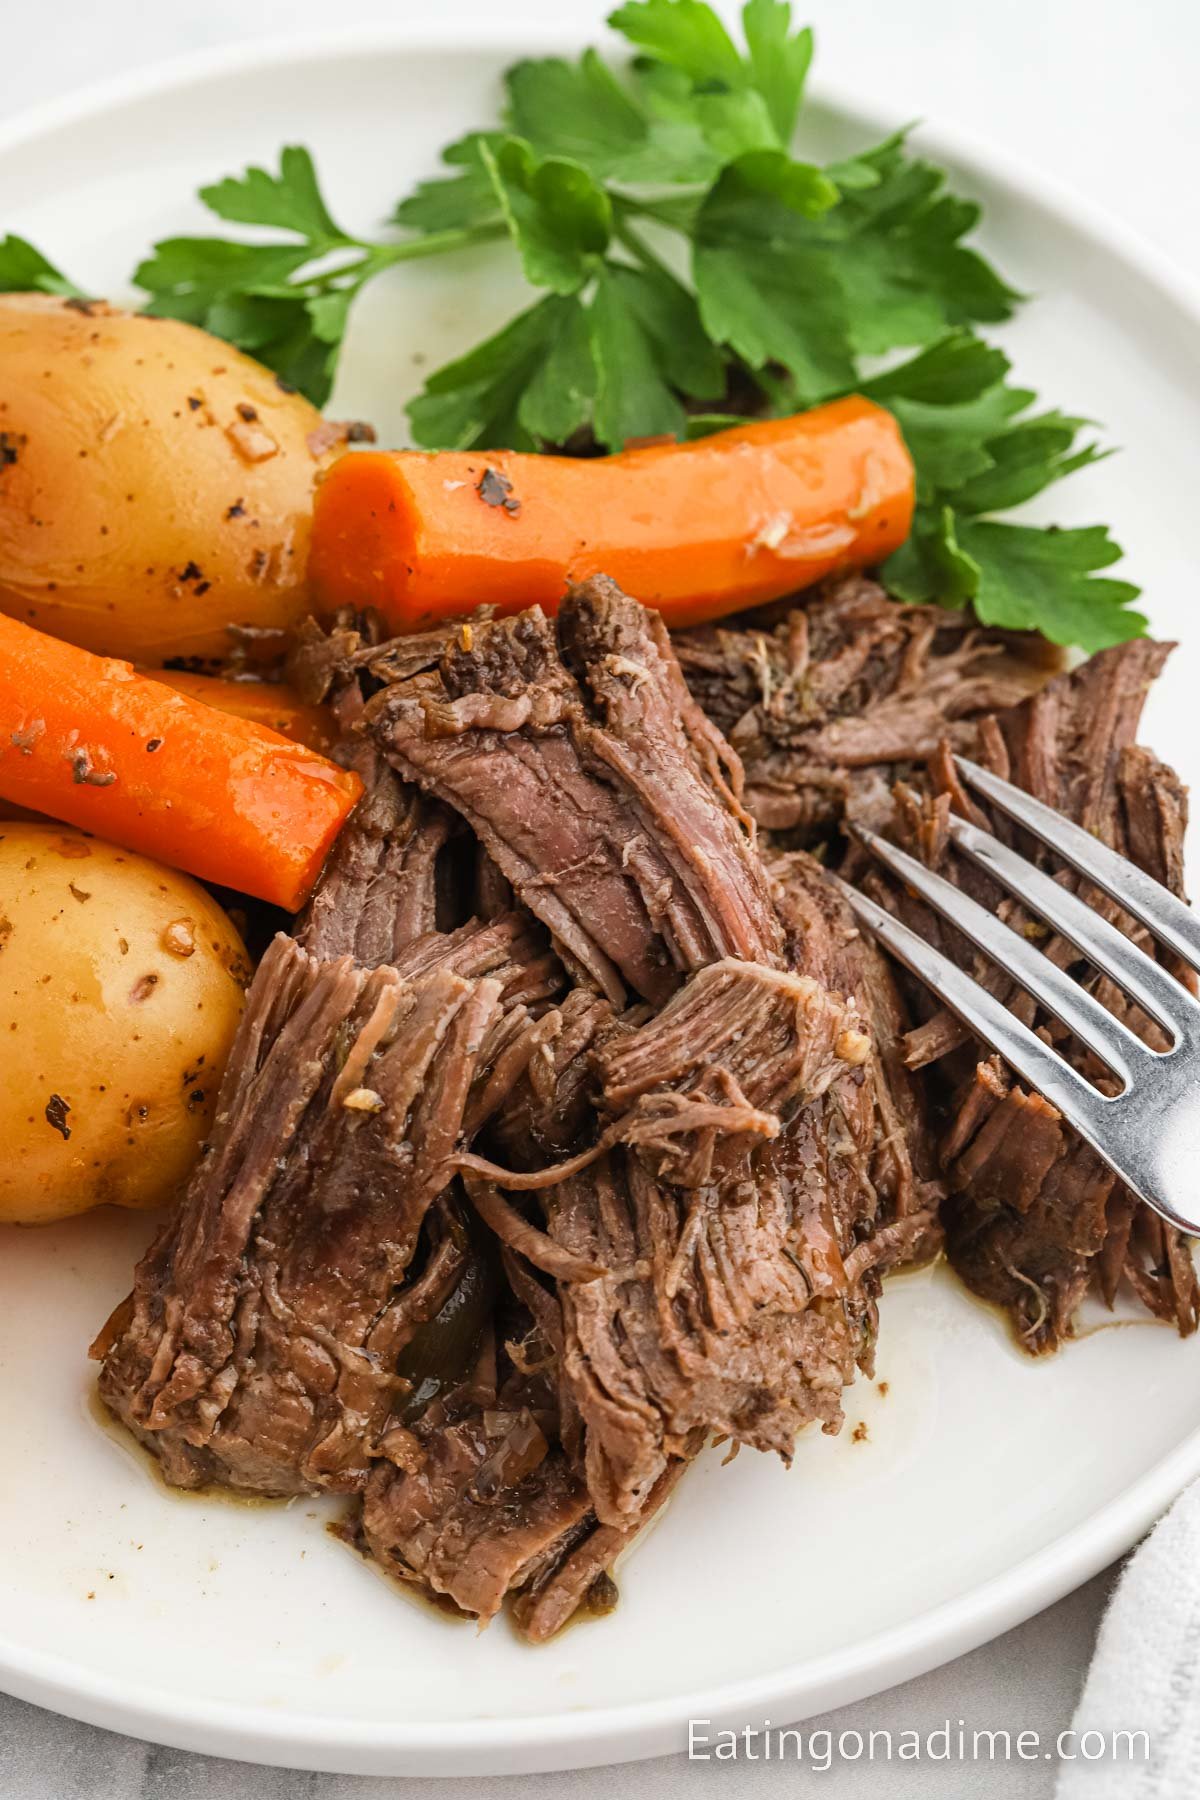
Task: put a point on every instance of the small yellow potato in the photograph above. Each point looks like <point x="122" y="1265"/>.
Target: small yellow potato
<point x="121" y="985"/>
<point x="155" y="484"/>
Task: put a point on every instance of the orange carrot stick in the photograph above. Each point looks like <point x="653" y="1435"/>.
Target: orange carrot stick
<point x="88" y="740"/>
<point x="697" y="530"/>
<point x="269" y="703"/>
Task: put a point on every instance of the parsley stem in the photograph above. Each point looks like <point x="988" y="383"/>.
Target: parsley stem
<point x="436" y="243"/>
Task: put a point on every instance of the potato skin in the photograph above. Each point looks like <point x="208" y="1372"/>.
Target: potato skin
<point x="155" y="484"/>
<point x="121" y="985"/>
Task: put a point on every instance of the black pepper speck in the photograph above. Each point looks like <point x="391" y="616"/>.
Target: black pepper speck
<point x="56" y="1114"/>
<point x="495" y="489"/>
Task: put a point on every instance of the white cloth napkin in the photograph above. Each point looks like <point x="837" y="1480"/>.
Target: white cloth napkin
<point x="1145" y="1675"/>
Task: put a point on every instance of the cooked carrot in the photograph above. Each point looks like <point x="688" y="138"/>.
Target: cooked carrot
<point x="696" y="529"/>
<point x="268" y="703"/>
<point x="88" y="740"/>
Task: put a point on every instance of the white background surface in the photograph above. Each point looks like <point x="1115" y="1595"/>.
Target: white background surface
<point x="1099" y="96"/>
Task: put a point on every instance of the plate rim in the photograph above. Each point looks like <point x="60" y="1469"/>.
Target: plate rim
<point x="630" y="1731"/>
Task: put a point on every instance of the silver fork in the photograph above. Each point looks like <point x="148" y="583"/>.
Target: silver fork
<point x="1149" y="1132"/>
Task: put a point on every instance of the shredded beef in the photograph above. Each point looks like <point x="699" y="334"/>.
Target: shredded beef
<point x="433" y="1518"/>
<point x="826" y="704"/>
<point x="548" y="1111"/>
<point x="384" y="878"/>
<point x="902" y="1169"/>
<point x="259" y="1344"/>
<point x="1035" y="1217"/>
<point x="591" y="788"/>
<point x="731" y="1055"/>
<point x="318" y="1236"/>
<point x="473" y="1495"/>
<point x="579" y="1123"/>
<point x="378" y="889"/>
<point x="326" y="665"/>
<point x="578" y="1571"/>
<point x="475" y="1502"/>
<point x="737" y="1274"/>
<point x="709" y="1263"/>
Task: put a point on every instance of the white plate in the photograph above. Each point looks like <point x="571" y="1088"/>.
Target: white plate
<point x="987" y="1485"/>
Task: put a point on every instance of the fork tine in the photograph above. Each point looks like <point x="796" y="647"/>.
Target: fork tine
<point x="1171" y="921"/>
<point x="1152" y="986"/>
<point x="1079" y="1011"/>
<point x="1032" y="1060"/>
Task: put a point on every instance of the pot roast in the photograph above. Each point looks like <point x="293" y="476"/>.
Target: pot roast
<point x="577" y="1124"/>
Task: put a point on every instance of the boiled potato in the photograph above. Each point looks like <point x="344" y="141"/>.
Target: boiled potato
<point x="121" y="985"/>
<point x="155" y="484"/>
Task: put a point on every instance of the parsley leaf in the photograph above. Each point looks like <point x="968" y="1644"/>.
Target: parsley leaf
<point x="492" y="398"/>
<point x="575" y="109"/>
<point x="239" y="292"/>
<point x="696" y="71"/>
<point x="958" y="367"/>
<point x="669" y="318"/>
<point x="454" y="202"/>
<point x="931" y="567"/>
<point x="626" y="134"/>
<point x="249" y="293"/>
<point x="779" y="60"/>
<point x="557" y="214"/>
<point x="762" y="288"/>
<point x="558" y="398"/>
<point x="649" y="348"/>
<point x="617" y="366"/>
<point x="1026" y="460"/>
<point x="976" y="454"/>
<point x="685" y="33"/>
<point x="633" y="398"/>
<point x="24" y="270"/>
<point x="815" y="286"/>
<point x="952" y="402"/>
<point x="291" y="200"/>
<point x="287" y="301"/>
<point x="897" y="241"/>
<point x="285" y="332"/>
<point x="960" y="421"/>
<point x="950" y="445"/>
<point x="734" y="124"/>
<point x="187" y="275"/>
<point x="1044" y="580"/>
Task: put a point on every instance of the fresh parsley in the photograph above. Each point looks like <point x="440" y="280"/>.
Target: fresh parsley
<point x="692" y="269"/>
<point x="981" y="448"/>
<point x="24" y="270"/>
<point x="285" y="300"/>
